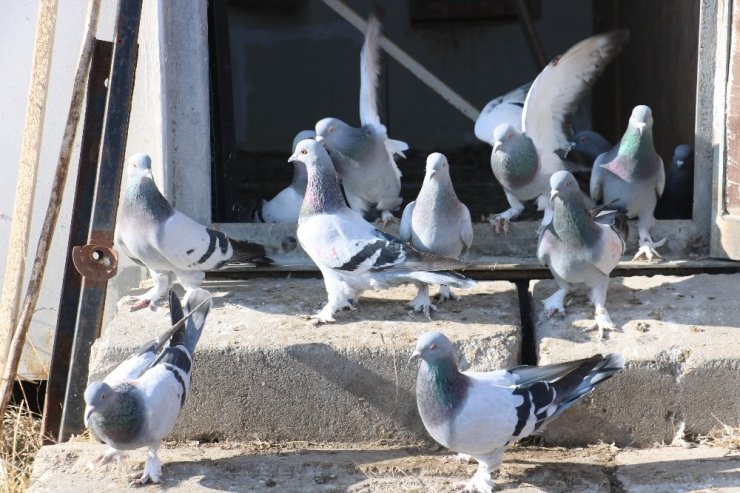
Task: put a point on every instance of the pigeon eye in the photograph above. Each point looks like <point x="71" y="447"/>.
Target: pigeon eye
<point x="583" y="139"/>
<point x="433" y="347"/>
<point x="304" y="151"/>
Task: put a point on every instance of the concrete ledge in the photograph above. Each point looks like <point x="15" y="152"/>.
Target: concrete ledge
<point x="681" y="339"/>
<point x="263" y="370"/>
<point x="261" y="466"/>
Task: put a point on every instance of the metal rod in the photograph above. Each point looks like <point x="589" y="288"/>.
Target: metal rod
<point x="69" y="301"/>
<point x="25" y="189"/>
<point x="52" y="211"/>
<point x="121" y="84"/>
<point x="424" y="75"/>
<point x="530" y="33"/>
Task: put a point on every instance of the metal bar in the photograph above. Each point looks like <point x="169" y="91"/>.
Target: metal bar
<point x="528" y="351"/>
<point x="507" y="270"/>
<point x="225" y="192"/>
<point x="79" y="229"/>
<point x="121" y="84"/>
<point x="530" y="33"/>
<point x="424" y="75"/>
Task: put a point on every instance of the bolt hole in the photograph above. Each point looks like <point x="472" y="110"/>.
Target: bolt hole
<point x="97" y="255"/>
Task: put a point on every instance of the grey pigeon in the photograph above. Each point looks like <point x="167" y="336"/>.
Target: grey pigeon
<point x="364" y="157"/>
<point x="138" y="403"/>
<point x="523" y="162"/>
<point x="286" y="205"/>
<point x="579" y="249"/>
<point x="350" y="252"/>
<point x="436" y="222"/>
<point x="479" y="413"/>
<point x="677" y="201"/>
<point x="589" y="144"/>
<point x="631" y="175"/>
<point x="164" y="240"/>
<point x="506" y="109"/>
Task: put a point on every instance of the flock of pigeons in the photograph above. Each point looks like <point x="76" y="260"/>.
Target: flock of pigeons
<point x="476" y="414"/>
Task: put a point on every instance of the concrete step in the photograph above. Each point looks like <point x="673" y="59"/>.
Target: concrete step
<point x="290" y="467"/>
<point x="681" y="339"/>
<point x="264" y="370"/>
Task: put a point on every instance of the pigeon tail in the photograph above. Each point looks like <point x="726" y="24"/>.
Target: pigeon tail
<point x="584" y="377"/>
<point x="444" y="278"/>
<point x="246" y="252"/>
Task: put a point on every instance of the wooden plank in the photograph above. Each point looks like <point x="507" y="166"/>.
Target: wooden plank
<point x="15" y="264"/>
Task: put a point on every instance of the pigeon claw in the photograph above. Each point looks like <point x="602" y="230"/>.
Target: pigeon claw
<point x="387" y="217"/>
<point x="142" y="303"/>
<point x="479" y="483"/>
<point x="423" y="307"/>
<point x="442" y="297"/>
<point x="647" y="250"/>
<point x="499" y="223"/>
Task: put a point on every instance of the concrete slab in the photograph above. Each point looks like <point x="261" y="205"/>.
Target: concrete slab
<point x="262" y="466"/>
<point x="264" y="370"/>
<point x="681" y="339"/>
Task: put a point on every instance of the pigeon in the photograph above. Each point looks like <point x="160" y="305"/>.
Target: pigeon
<point x="503" y="109"/>
<point x="588" y="144"/>
<point x="436" y="222"/>
<point x="138" y="403"/>
<point x="523" y="162"/>
<point x="632" y="176"/>
<point x="580" y="247"/>
<point x="677" y="200"/>
<point x="364" y="157"/>
<point x="351" y="253"/>
<point x="479" y="413"/>
<point x="286" y="205"/>
<point x="164" y="240"/>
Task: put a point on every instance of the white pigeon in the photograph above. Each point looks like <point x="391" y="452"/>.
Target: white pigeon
<point x="506" y="109"/>
<point x="580" y="246"/>
<point x="138" y="403"/>
<point x="351" y="253"/>
<point x="164" y="240"/>
<point x="632" y="176"/>
<point x="364" y="157"/>
<point x="522" y="162"/>
<point x="479" y="413"/>
<point x="436" y="222"/>
<point x="286" y="205"/>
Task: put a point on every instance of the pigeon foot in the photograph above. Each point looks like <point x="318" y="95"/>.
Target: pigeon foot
<point x="105" y="458"/>
<point x="387" y="217"/>
<point x="151" y="474"/>
<point x="325" y="316"/>
<point x="143" y="303"/>
<point x="422" y="306"/>
<point x="479" y="483"/>
<point x="647" y="250"/>
<point x="602" y="323"/>
<point x="499" y="223"/>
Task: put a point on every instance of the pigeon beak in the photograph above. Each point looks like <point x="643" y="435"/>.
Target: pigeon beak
<point x="679" y="163"/>
<point x="641" y="127"/>
<point x="553" y="194"/>
<point x="432" y="173"/>
<point x="294" y="157"/>
<point x="319" y="138"/>
<point x="497" y="145"/>
<point x="88" y="413"/>
<point x="414" y="356"/>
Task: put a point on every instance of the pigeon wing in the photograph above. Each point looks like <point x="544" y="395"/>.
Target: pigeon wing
<point x="559" y="88"/>
<point x="189" y="245"/>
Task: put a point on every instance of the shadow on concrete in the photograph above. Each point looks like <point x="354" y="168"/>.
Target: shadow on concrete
<point x="387" y="396"/>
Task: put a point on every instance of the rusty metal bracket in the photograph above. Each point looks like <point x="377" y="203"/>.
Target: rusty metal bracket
<point x="95" y="262"/>
<point x="69" y="300"/>
<point x="100" y="239"/>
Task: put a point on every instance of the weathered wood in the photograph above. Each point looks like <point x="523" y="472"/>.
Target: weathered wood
<point x="52" y="212"/>
<point x="15" y="264"/>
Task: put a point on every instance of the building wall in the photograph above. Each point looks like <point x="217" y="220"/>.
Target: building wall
<point x="292" y="67"/>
